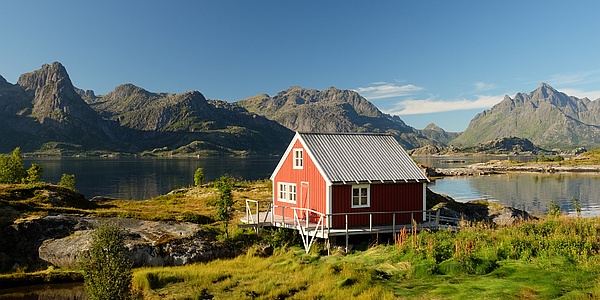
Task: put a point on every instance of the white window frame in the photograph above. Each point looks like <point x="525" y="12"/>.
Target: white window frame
<point x="361" y="187"/>
<point x="286" y="192"/>
<point x="298" y="158"/>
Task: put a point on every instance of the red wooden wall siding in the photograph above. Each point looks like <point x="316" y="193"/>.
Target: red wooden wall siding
<point x="384" y="197"/>
<point x="310" y="174"/>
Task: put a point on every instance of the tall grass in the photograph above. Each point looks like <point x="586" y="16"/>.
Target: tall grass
<point x="287" y="274"/>
<point x="545" y="259"/>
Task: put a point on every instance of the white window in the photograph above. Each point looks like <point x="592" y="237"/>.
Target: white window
<point x="298" y="159"/>
<point x="361" y="196"/>
<point x="287" y="192"/>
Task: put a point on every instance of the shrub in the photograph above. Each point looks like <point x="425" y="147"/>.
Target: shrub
<point x="225" y="202"/>
<point x="554" y="209"/>
<point x="68" y="181"/>
<point x="199" y="177"/>
<point x="34" y="173"/>
<point x="12" y="169"/>
<point x="280" y="237"/>
<point x="106" y="270"/>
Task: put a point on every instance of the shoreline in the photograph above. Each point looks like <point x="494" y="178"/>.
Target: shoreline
<point x="503" y="167"/>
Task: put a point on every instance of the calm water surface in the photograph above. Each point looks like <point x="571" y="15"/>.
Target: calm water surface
<point x="57" y="291"/>
<point x="533" y="192"/>
<point x="144" y="178"/>
<point x="530" y="192"/>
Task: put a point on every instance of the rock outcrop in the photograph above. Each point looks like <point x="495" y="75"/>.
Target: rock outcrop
<point x="476" y="211"/>
<point x="149" y="243"/>
<point x="59" y="240"/>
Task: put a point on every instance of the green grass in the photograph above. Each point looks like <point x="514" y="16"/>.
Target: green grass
<point x="557" y="257"/>
<point x="195" y="204"/>
<point x="287" y="274"/>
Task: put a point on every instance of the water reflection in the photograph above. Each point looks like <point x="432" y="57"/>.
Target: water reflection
<point x="68" y="291"/>
<point x="531" y="192"/>
<point x="144" y="178"/>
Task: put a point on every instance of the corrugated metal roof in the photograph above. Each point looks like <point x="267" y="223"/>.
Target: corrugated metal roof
<point x="361" y="157"/>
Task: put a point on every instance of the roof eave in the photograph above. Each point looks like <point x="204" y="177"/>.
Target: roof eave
<point x="380" y="181"/>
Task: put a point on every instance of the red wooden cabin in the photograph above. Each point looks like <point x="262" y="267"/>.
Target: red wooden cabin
<point x="341" y="174"/>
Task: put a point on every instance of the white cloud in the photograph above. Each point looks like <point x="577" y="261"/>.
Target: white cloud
<point x="382" y="90"/>
<point x="592" y="95"/>
<point x="574" y="78"/>
<point x="482" y="86"/>
<point x="570" y="78"/>
<point x="431" y="105"/>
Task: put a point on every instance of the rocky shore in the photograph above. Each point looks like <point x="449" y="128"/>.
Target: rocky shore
<point x="502" y="167"/>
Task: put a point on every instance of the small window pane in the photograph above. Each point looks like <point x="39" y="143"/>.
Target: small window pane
<point x="363" y="192"/>
<point x="360" y="196"/>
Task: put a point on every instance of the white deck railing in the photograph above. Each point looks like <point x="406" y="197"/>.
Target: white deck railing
<point x="321" y="227"/>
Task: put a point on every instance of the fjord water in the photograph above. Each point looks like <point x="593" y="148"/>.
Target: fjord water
<point x="136" y="178"/>
<point x="532" y="192"/>
<point x="143" y="178"/>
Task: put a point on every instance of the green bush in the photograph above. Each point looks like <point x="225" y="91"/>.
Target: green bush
<point x="280" y="237"/>
<point x="12" y="169"/>
<point x="225" y="202"/>
<point x="68" y="181"/>
<point x="199" y="177"/>
<point x="106" y="269"/>
<point x="195" y="218"/>
<point x="34" y="174"/>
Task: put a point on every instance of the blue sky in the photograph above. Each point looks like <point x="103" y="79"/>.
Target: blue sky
<point x="425" y="61"/>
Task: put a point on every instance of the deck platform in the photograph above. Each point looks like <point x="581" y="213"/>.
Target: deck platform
<point x="310" y="231"/>
<point x="266" y="219"/>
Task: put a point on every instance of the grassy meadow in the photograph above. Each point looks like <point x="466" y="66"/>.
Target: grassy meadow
<point x="553" y="257"/>
<point x="556" y="257"/>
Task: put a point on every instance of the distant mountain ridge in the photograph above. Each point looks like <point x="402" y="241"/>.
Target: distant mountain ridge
<point x="335" y="110"/>
<point x="45" y="112"/>
<point x="547" y="117"/>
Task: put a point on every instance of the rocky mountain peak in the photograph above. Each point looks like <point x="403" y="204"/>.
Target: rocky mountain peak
<point x="433" y="127"/>
<point x="3" y="81"/>
<point x="127" y="90"/>
<point x="543" y="91"/>
<point x="547" y="117"/>
<point x="193" y="94"/>
<point x="330" y="110"/>
<point x="129" y="119"/>
<point x="55" y="97"/>
<point x="48" y="74"/>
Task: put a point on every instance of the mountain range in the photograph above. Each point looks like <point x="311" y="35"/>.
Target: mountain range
<point x="44" y="113"/>
<point x="545" y="116"/>
<point x="335" y="110"/>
